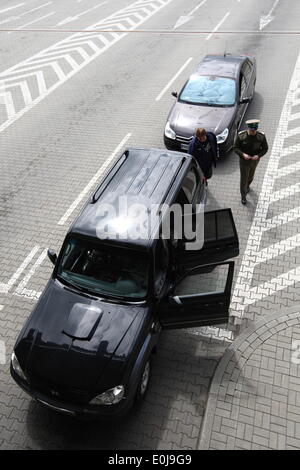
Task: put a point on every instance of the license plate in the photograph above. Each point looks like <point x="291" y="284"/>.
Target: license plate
<point x="184" y="147"/>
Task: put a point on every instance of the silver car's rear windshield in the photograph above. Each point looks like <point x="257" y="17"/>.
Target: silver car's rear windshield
<point x="209" y="90"/>
<point x="104" y="270"/>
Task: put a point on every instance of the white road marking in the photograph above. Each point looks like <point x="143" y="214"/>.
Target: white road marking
<point x="277" y="249"/>
<point x="278" y="220"/>
<point x="84" y="38"/>
<point x="14" y="18"/>
<point x="93" y="181"/>
<point x="6" y="287"/>
<point x="26" y="93"/>
<point x="11" y="8"/>
<point x="31" y="22"/>
<point x="265" y="20"/>
<point x="35" y="9"/>
<point x="173" y="79"/>
<point x="76" y="17"/>
<point x="218" y="26"/>
<point x="1" y="308"/>
<point x="244" y="294"/>
<point x="24" y="282"/>
<point x="281" y="282"/>
<point x="9" y="19"/>
<point x="184" y="19"/>
<point x="28" y="294"/>
<point x="7" y="100"/>
<point x="292" y="132"/>
<point x="285" y="192"/>
<point x="213" y="332"/>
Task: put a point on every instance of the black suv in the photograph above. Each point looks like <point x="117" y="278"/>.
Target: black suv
<point x="86" y="348"/>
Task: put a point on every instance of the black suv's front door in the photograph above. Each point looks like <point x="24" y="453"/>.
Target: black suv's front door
<point x="220" y="241"/>
<point x="200" y="298"/>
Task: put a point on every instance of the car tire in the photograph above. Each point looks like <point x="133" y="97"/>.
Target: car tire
<point x="144" y="381"/>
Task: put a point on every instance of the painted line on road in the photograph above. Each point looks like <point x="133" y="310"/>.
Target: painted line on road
<point x="186" y="18"/>
<point x="173" y="79"/>
<point x="35" y="9"/>
<point x="265" y="20"/>
<point x="243" y="293"/>
<point x="1" y="308"/>
<point x="76" y="17"/>
<point x="93" y="181"/>
<point x="218" y="26"/>
<point x="6" y="287"/>
<point x="213" y="333"/>
<point x="109" y="23"/>
<point x="277" y="249"/>
<point x="21" y="287"/>
<point x="11" y="8"/>
<point x="34" y="21"/>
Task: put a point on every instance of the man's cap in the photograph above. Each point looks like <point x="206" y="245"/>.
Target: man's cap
<point x="253" y="123"/>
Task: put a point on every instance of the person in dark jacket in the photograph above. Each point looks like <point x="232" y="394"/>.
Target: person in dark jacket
<point x="205" y="150"/>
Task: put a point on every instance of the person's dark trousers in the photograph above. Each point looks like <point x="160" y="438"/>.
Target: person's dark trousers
<point x="247" y="168"/>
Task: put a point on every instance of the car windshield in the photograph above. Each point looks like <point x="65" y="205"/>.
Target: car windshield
<point x="209" y="90"/>
<point x="104" y="270"/>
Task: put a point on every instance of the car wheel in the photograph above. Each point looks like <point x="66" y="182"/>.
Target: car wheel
<point x="144" y="382"/>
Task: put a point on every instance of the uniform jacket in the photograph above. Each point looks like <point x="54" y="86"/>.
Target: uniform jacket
<point x="250" y="144"/>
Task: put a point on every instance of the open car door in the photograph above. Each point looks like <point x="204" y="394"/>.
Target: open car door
<point x="220" y="241"/>
<point x="200" y="298"/>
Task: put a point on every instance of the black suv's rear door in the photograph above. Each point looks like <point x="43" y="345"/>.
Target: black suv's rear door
<point x="200" y="298"/>
<point x="220" y="241"/>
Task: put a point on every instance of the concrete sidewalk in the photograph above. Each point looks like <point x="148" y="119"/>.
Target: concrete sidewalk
<point x="254" y="400"/>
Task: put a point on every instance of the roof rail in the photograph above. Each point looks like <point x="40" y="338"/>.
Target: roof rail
<point x="109" y="176"/>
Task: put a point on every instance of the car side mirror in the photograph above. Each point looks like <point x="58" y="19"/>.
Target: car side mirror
<point x="174" y="93"/>
<point x="52" y="256"/>
<point x="175" y="300"/>
<point x="245" y="100"/>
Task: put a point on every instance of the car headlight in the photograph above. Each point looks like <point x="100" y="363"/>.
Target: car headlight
<point x="16" y="367"/>
<point x="223" y="136"/>
<point x="110" y="397"/>
<point x="169" y="132"/>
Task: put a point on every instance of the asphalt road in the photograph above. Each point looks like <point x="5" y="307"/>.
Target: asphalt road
<point x="70" y="96"/>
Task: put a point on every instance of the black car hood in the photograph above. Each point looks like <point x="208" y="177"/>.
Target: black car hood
<point x="185" y="118"/>
<point x="70" y="338"/>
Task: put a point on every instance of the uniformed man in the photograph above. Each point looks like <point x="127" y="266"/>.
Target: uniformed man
<point x="250" y="145"/>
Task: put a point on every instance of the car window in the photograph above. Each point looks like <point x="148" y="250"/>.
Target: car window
<point x="243" y="85"/>
<point x="211" y="281"/>
<point x="209" y="90"/>
<point x="246" y="71"/>
<point x="103" y="269"/>
<point x="181" y="198"/>
<point x="161" y="264"/>
<point x="189" y="185"/>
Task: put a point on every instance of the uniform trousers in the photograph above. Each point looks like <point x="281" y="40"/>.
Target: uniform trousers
<point x="247" y="168"/>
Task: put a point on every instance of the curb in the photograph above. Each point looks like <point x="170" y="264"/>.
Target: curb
<point x="267" y="327"/>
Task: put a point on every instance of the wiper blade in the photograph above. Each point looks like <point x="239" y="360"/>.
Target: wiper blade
<point x="74" y="286"/>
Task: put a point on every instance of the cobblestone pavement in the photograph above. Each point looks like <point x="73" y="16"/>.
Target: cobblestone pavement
<point x="254" y="400"/>
<point x="52" y="146"/>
